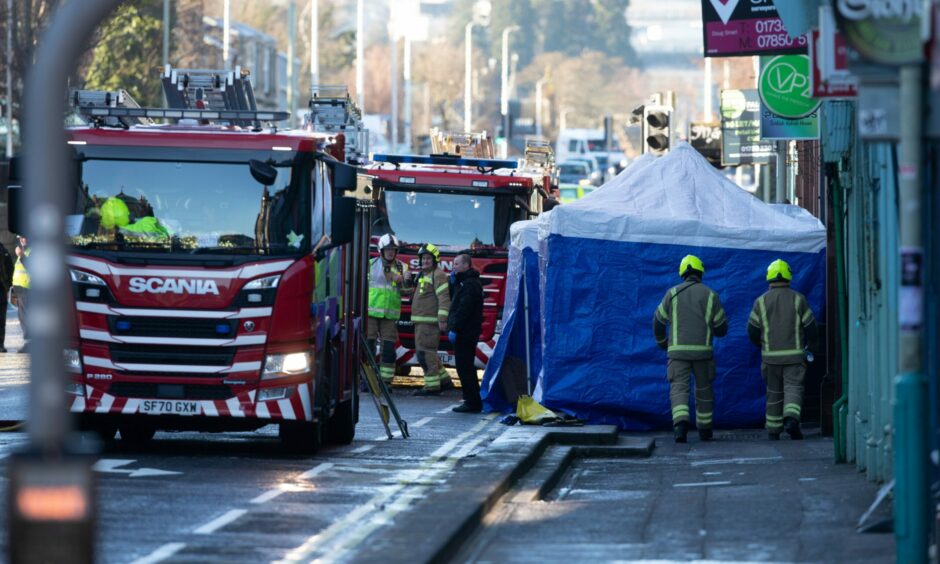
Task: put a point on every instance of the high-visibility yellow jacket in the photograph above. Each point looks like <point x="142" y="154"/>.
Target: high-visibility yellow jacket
<point x="431" y="302"/>
<point x="20" y="275"/>
<point x="384" y="293"/>
<point x="694" y="315"/>
<point x="782" y="324"/>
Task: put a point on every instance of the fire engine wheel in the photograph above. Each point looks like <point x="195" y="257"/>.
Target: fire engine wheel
<point x="137" y="434"/>
<point x="300" y="437"/>
<point x="341" y="428"/>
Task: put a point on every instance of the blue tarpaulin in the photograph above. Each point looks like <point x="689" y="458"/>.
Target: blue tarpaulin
<point x="606" y="263"/>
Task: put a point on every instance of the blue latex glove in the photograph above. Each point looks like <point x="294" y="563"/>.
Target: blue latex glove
<point x="453" y="277"/>
<point x="452" y="337"/>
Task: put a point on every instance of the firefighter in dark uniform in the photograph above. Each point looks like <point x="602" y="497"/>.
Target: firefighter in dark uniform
<point x="782" y="324"/>
<point x="693" y="314"/>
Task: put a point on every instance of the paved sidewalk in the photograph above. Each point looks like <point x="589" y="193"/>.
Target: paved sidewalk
<point x="740" y="498"/>
<point x="14" y="373"/>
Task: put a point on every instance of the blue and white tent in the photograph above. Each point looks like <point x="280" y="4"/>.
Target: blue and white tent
<point x="522" y="310"/>
<point x="606" y="262"/>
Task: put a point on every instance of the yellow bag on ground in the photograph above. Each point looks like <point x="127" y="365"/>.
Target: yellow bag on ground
<point x="531" y="412"/>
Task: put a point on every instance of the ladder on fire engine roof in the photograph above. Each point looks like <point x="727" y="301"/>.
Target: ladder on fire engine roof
<point x="210" y="89"/>
<point x="333" y="111"/>
<point x="462" y="144"/>
<point x="538" y="156"/>
<point x="84" y="100"/>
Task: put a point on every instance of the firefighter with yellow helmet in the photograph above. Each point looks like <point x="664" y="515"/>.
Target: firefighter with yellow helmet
<point x="389" y="280"/>
<point x="783" y="325"/>
<point x="429" y="310"/>
<point x="693" y="314"/>
<point x="115" y="214"/>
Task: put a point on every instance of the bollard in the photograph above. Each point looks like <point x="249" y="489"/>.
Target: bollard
<point x="911" y="508"/>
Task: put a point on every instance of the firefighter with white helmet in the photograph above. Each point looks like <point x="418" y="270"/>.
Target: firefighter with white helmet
<point x="429" y="310"/>
<point x="388" y="282"/>
<point x="694" y="315"/>
<point x="783" y="326"/>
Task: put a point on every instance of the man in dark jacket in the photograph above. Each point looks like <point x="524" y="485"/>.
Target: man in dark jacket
<point x="464" y="324"/>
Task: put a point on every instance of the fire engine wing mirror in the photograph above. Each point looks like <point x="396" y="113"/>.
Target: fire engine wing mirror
<point x="15" y="196"/>
<point x="262" y="172"/>
<point x="344" y="176"/>
<point x="342" y="228"/>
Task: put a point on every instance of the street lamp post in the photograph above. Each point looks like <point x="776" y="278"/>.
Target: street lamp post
<point x="360" y="55"/>
<point x="504" y="87"/>
<point x="538" y="106"/>
<point x="467" y="78"/>
<point x="314" y="42"/>
<point x="226" y="25"/>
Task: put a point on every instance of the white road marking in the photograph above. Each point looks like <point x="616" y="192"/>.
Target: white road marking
<point x="807" y="479"/>
<point x="701" y="484"/>
<point x="219" y="522"/>
<point x="410" y="485"/>
<point x="267" y="496"/>
<point x="316" y="470"/>
<point x="161" y="553"/>
<point x="363" y="449"/>
<point x="711" y="473"/>
<point x="112" y="466"/>
<point x="735" y="461"/>
<point x="447" y="409"/>
<point x="421" y="422"/>
<point x="395" y="434"/>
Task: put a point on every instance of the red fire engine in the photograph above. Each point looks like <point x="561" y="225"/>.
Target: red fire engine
<point x="217" y="268"/>
<point x="458" y="200"/>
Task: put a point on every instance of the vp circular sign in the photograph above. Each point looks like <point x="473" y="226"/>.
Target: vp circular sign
<point x="785" y="87"/>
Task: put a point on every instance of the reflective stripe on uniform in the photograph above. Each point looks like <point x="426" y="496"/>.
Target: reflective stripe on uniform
<point x="675" y="318"/>
<point x="423" y="319"/>
<point x="442" y="313"/>
<point x="689" y="348"/>
<point x="764" y="325"/>
<point x="703" y="418"/>
<point x="792" y="408"/>
<point x="661" y="313"/>
<point x="440" y="289"/>
<point x="783" y="353"/>
<point x="680" y="410"/>
<point x="708" y="319"/>
<point x="796" y="321"/>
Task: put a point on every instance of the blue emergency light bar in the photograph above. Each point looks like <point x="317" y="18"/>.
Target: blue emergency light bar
<point x="448" y="160"/>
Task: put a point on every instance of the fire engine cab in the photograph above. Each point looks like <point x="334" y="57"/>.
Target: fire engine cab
<point x="459" y="199"/>
<point x="217" y="267"/>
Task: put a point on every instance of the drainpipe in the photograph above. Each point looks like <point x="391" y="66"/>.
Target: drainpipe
<point x="840" y="409"/>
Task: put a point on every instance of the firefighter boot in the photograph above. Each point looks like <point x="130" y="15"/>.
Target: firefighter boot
<point x="792" y="427"/>
<point x="680" y="431"/>
<point x="773" y="436"/>
<point x="705" y="434"/>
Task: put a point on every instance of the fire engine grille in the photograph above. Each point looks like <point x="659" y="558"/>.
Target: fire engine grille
<point x="164" y="391"/>
<point x="181" y="328"/>
<point x="172" y="355"/>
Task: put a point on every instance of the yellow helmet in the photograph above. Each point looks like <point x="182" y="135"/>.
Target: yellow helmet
<point x="114" y="213"/>
<point x="691" y="262"/>
<point x="429" y="249"/>
<point x="779" y="270"/>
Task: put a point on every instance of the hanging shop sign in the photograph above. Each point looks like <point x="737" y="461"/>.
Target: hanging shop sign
<point x="746" y="27"/>
<point x="740" y="129"/>
<point x="888" y="32"/>
<point x="784" y="86"/>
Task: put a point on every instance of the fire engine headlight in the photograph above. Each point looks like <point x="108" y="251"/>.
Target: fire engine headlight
<point x="263" y="283"/>
<point x="73" y="361"/>
<point x="277" y="365"/>
<point x="85" y="278"/>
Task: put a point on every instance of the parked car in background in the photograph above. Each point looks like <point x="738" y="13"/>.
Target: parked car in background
<point x="573" y="172"/>
<point x="572" y="192"/>
<point x="596" y="174"/>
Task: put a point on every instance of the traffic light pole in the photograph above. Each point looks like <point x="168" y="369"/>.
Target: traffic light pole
<point x="48" y="490"/>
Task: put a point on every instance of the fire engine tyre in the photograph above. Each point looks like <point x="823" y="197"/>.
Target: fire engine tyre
<point x="341" y="428"/>
<point x="137" y="433"/>
<point x="300" y="437"/>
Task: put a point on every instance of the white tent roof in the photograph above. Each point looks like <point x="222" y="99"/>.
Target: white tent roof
<point x="682" y="199"/>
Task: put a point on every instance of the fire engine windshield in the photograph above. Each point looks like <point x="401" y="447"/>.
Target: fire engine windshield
<point x="188" y="207"/>
<point x="450" y="221"/>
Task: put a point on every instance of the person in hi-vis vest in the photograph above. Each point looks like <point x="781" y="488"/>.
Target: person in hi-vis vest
<point x="389" y="280"/>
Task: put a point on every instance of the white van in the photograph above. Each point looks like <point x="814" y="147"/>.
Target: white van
<point x="574" y="143"/>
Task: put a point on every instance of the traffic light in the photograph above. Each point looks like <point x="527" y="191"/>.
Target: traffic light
<point x="658" y="129"/>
